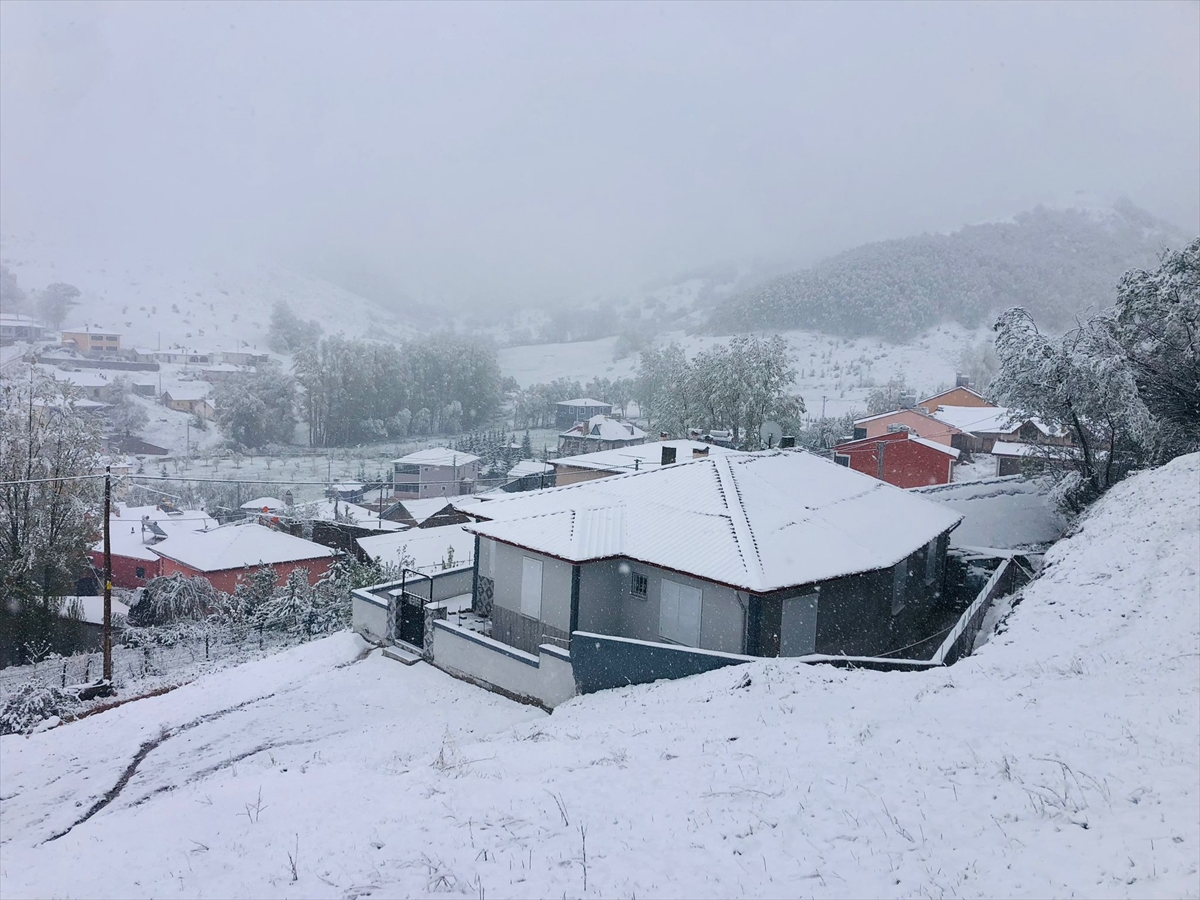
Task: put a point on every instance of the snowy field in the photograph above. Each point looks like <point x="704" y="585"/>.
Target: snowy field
<point x="842" y="370"/>
<point x="1060" y="760"/>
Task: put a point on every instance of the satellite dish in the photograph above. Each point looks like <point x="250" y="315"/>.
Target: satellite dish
<point x="770" y="433"/>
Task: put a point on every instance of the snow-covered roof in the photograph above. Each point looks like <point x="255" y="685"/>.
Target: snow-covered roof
<point x="188" y="392"/>
<point x="604" y="428"/>
<point x="639" y="456"/>
<point x="238" y="546"/>
<point x="934" y="445"/>
<point x="893" y="412"/>
<point x="81" y="379"/>
<point x="530" y="467"/>
<point x="271" y="503"/>
<point x="929" y="401"/>
<point x="988" y="419"/>
<point x="17" y="319"/>
<point x="755" y="521"/>
<point x="360" y="516"/>
<point x="582" y="401"/>
<point x="1041" y="451"/>
<point x="421" y="510"/>
<point x="93" y="608"/>
<point x="87" y="329"/>
<point x="437" y="456"/>
<point x="427" y="546"/>
<point x="184" y="519"/>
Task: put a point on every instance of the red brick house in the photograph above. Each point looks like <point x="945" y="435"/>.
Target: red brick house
<point x="133" y="533"/>
<point x="223" y="555"/>
<point x="900" y="458"/>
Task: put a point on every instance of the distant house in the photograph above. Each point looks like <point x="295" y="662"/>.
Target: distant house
<point x="599" y="433"/>
<point x="436" y="472"/>
<point x="922" y="424"/>
<point x="529" y="475"/>
<point x="987" y="425"/>
<point x="89" y="385"/>
<point x="432" y="512"/>
<point x="14" y="327"/>
<point x="571" y="412"/>
<point x="190" y="400"/>
<point x="1021" y="458"/>
<point x="91" y="342"/>
<point x="133" y="531"/>
<point x="145" y="388"/>
<point x="777" y="553"/>
<point x="900" y="458"/>
<point x="184" y="356"/>
<point x="961" y="395"/>
<point x="219" y="372"/>
<point x="222" y="556"/>
<point x="641" y="457"/>
<point x="242" y="357"/>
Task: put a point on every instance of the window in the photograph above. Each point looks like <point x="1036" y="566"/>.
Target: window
<point x="842" y="459"/>
<point x="531" y="587"/>
<point x="140" y="572"/>
<point x="899" y="584"/>
<point x="407" y="487"/>
<point x="679" y="613"/>
<point x="639" y="585"/>
<point x="405" y="469"/>
<point x="931" y="561"/>
<point x="860" y="434"/>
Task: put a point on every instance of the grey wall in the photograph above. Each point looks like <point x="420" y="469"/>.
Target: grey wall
<point x="502" y="563"/>
<point x="607" y="605"/>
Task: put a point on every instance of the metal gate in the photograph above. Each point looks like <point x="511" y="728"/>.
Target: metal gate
<point x="410" y="608"/>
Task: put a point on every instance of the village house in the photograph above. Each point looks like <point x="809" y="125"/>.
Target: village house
<point x="422" y="549"/>
<point x="133" y="530"/>
<point x="572" y="412"/>
<point x="436" y="472"/>
<point x="190" y="399"/>
<point x="529" y="475"/>
<point x="777" y="553"/>
<point x="223" y="555"/>
<point x="916" y="421"/>
<point x="899" y="458"/>
<point x="14" y="327"/>
<point x="959" y="395"/>
<point x="92" y="342"/>
<point x="220" y="372"/>
<point x="183" y="356"/>
<point x="987" y="425"/>
<point x="89" y="385"/>
<point x="642" y="457"/>
<point x="599" y="433"/>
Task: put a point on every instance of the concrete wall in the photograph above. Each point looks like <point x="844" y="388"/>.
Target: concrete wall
<point x="369" y="606"/>
<point x="564" y="474"/>
<point x="502" y="563"/>
<point x="368" y="616"/>
<point x="545" y="678"/>
<point x="607" y="605"/>
<point x="602" y="661"/>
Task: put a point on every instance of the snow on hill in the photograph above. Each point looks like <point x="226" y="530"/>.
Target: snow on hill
<point x="1061" y="759"/>
<point x="188" y="303"/>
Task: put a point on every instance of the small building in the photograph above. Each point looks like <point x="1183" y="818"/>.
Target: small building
<point x="436" y="472"/>
<point x="987" y="425"/>
<point x="133" y="531"/>
<point x="960" y="395"/>
<point x="219" y="372"/>
<point x="432" y="512"/>
<point x="241" y="357"/>
<point x="1024" y="458"/>
<point x="135" y="446"/>
<point x="192" y="400"/>
<point x="776" y="553"/>
<point x="422" y="549"/>
<point x="638" y="458"/>
<point x="599" y="433"/>
<point x="92" y="341"/>
<point x="223" y="555"/>
<point x="145" y="388"/>
<point x="922" y="424"/>
<point x="14" y="327"/>
<point x="571" y="412"/>
<point x="88" y="385"/>
<point x="901" y="459"/>
<point x="529" y="475"/>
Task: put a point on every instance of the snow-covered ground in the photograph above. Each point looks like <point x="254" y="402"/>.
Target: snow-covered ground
<point x="1061" y="759"/>
<point x="843" y="371"/>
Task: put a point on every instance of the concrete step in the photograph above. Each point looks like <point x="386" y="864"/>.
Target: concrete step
<point x="403" y="653"/>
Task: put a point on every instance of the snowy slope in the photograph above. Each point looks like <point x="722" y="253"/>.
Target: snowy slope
<point x="1061" y="760"/>
<point x="189" y="303"/>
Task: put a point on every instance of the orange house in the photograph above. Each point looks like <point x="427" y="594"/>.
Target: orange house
<point x="222" y="556"/>
<point x="921" y="424"/>
<point x="956" y="396"/>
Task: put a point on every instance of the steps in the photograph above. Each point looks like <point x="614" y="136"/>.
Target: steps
<point x="403" y="653"/>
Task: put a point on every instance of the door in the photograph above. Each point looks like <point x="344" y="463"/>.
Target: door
<point x="412" y="620"/>
<point x="798" y="632"/>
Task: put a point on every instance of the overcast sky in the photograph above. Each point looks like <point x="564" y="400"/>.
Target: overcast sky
<point x="480" y="153"/>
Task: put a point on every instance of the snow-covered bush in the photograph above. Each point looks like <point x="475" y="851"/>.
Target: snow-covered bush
<point x="34" y="702"/>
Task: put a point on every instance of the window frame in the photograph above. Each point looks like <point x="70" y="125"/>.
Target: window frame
<point x="527" y="582"/>
<point x="634" y="578"/>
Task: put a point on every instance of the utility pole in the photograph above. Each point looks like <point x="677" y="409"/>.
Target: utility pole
<point x="822" y="406"/>
<point x="108" y="672"/>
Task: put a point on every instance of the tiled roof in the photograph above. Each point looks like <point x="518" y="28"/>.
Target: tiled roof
<point x="238" y="546"/>
<point x="756" y="521"/>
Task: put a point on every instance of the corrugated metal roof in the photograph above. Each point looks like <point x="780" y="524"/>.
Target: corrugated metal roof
<point x="759" y="521"/>
<point x="437" y="456"/>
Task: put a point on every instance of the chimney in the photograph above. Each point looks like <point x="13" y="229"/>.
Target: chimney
<point x="697" y="453"/>
<point x="907" y="401"/>
<point x="879" y="448"/>
<point x="668" y="455"/>
<point x="787" y="442"/>
<point x="961" y="380"/>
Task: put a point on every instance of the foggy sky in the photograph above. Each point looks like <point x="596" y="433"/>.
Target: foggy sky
<point x="510" y="153"/>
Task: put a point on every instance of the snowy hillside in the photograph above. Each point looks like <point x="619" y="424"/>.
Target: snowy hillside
<point x="1054" y="262"/>
<point x="190" y="304"/>
<point x="1059" y="760"/>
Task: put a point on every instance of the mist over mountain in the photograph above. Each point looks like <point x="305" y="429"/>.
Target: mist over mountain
<point x="1054" y="262"/>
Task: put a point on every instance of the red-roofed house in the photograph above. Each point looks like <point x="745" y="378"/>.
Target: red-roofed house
<point x="900" y="458"/>
<point x="224" y="554"/>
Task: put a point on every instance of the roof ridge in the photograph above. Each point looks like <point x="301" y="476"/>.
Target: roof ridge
<point x="743" y="532"/>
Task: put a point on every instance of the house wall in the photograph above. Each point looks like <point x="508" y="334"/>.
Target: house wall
<point x="564" y="475"/>
<point x="436" y="481"/>
<point x="125" y="569"/>
<point x="503" y="564"/>
<point x="607" y="605"/>
<point x="227" y="579"/>
<point x="925" y="427"/>
<point x="543" y="677"/>
<point x="905" y="464"/>
<point x="369" y="617"/>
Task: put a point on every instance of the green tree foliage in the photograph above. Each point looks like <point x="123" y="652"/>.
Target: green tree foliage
<point x="255" y="410"/>
<point x="1053" y="263"/>
<point x="356" y="391"/>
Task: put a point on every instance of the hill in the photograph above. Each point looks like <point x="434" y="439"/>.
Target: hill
<point x="170" y="302"/>
<point x="1054" y="262"/>
<point x="1060" y="759"/>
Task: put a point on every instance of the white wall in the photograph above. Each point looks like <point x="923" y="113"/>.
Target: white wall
<point x="546" y="679"/>
<point x="502" y="563"/>
<point x="368" y="618"/>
